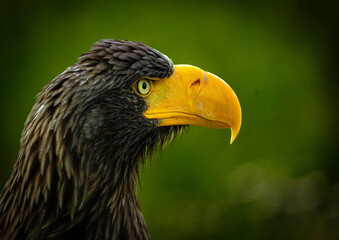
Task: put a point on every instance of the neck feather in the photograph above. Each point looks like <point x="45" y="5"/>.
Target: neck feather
<point x="66" y="188"/>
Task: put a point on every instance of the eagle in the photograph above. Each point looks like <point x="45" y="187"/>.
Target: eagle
<point x="89" y="130"/>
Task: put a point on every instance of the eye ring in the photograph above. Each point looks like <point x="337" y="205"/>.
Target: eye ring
<point x="143" y="87"/>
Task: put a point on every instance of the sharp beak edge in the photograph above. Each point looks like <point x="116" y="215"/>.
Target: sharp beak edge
<point x="192" y="96"/>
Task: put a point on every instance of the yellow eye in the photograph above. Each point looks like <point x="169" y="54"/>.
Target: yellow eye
<point x="143" y="86"/>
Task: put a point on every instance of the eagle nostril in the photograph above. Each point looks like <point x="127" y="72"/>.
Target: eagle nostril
<point x="195" y="84"/>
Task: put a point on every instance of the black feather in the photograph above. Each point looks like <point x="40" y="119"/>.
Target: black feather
<point x="80" y="150"/>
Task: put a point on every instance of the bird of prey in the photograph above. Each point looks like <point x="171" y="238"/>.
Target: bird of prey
<point x="88" y="131"/>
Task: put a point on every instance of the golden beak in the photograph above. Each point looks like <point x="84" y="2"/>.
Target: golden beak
<point x="194" y="97"/>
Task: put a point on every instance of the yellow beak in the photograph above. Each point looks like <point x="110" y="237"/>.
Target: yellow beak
<point x="194" y="97"/>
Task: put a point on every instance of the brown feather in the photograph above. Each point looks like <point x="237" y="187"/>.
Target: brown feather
<point x="80" y="150"/>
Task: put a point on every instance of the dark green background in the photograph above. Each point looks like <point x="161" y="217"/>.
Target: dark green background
<point x="279" y="179"/>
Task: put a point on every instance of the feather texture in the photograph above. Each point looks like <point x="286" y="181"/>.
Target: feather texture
<point x="75" y="176"/>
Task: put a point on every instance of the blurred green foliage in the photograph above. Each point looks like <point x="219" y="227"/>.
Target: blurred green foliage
<point x="279" y="179"/>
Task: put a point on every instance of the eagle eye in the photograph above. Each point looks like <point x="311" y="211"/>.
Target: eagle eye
<point x="143" y="87"/>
